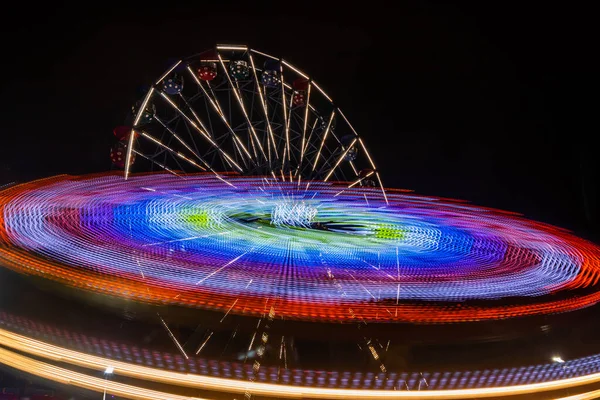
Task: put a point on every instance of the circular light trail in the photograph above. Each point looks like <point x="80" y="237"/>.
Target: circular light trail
<point x="343" y="255"/>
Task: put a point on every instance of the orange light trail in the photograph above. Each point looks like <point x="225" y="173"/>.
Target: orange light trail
<point x="58" y="354"/>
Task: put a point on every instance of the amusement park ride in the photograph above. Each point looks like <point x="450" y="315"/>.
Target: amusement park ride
<point x="238" y="110"/>
<point x="243" y="198"/>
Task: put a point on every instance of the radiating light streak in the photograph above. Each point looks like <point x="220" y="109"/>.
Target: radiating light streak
<point x="264" y="106"/>
<point x="176" y="153"/>
<point x="373" y="166"/>
<point x="342" y="156"/>
<point x="169" y="170"/>
<point x="181" y="141"/>
<point x="243" y="108"/>
<point x="323" y="140"/>
<point x="202" y="131"/>
<point x="140" y="112"/>
<point x="204" y="343"/>
<point x="220" y="269"/>
<point x="230" y="308"/>
<point x="163" y="76"/>
<point x="514" y="258"/>
<point x="304" y="123"/>
<point x="173" y="338"/>
<point x="217" y="107"/>
<point x="310" y="134"/>
<point x="285" y="116"/>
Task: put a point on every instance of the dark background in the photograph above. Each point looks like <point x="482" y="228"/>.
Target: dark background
<point x="482" y="101"/>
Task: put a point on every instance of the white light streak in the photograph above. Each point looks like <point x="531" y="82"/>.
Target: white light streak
<point x="290" y="66"/>
<point x="264" y="106"/>
<point x="340" y="159"/>
<point x="168" y="72"/>
<point x="241" y="103"/>
<point x="173" y="337"/>
<point x="232" y="47"/>
<point x="132" y="134"/>
<point x="201" y="131"/>
<point x="323" y="140"/>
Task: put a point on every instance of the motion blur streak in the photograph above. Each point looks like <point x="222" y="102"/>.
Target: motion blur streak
<point x="67" y="377"/>
<point x="41" y="349"/>
<point x="583" y="396"/>
<point x="159" y="239"/>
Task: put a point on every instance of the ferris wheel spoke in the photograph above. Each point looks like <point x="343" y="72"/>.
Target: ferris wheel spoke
<point x="285" y="116"/>
<point x="243" y="123"/>
<point x="214" y="101"/>
<point x="201" y="131"/>
<point x="172" y="151"/>
<point x="132" y="133"/>
<point x="184" y="158"/>
<point x="305" y="122"/>
<point x="356" y="182"/>
<point x="198" y="120"/>
<point x="341" y="144"/>
<point x="242" y="106"/>
<point x="163" y="76"/>
<point x="339" y="160"/>
<point x="374" y="169"/>
<point x="159" y="164"/>
<point x="325" y="134"/>
<point x="263" y="103"/>
<point x="178" y="138"/>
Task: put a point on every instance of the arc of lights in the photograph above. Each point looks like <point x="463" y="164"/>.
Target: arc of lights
<point x="286" y="123"/>
<point x="254" y="136"/>
<point x="55" y="353"/>
<point x="139" y="116"/>
<point x="368" y="156"/>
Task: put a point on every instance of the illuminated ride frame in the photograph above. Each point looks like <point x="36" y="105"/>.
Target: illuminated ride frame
<point x="237" y="144"/>
<point x="238" y="110"/>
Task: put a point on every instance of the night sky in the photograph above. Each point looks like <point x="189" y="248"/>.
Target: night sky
<point x="471" y="101"/>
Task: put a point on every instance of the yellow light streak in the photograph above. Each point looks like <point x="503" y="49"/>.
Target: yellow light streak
<point x="323" y="92"/>
<point x="241" y="103"/>
<point x="217" y="107"/>
<point x="296" y="70"/>
<point x="67" y="377"/>
<point x="56" y="353"/>
<point x="201" y="131"/>
<point x="263" y="54"/>
<point x="285" y="116"/>
<point x="168" y="72"/>
<point x="178" y="154"/>
<point x="323" y="141"/>
<point x="305" y="122"/>
<point x="232" y="47"/>
<point x="264" y="106"/>
<point x="340" y="159"/>
<point x="132" y="133"/>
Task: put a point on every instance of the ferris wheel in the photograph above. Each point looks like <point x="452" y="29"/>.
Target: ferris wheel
<point x="236" y="110"/>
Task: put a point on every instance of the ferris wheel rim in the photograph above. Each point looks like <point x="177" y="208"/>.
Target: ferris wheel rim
<point x="357" y="140"/>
